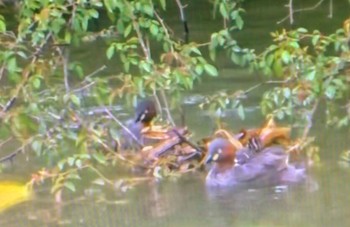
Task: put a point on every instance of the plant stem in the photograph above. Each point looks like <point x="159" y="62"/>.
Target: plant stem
<point x="124" y="127"/>
<point x="183" y="19"/>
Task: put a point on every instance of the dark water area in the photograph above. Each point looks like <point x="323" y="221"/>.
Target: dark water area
<point x="322" y="201"/>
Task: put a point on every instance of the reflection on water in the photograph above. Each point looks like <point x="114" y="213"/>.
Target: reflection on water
<point x="186" y="202"/>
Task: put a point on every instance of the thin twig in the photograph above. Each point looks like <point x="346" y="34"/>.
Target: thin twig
<point x="291" y="16"/>
<point x="309" y="119"/>
<point x="184" y="139"/>
<point x="124" y="127"/>
<point x="10" y="156"/>
<point x="65" y="68"/>
<point x="2" y="69"/>
<point x="164" y="28"/>
<point x="5" y="141"/>
<point x="330" y="15"/>
<point x="264" y="83"/>
<point x="84" y="87"/>
<point x="100" y="174"/>
<point x="64" y="52"/>
<point x="89" y="76"/>
<point x="300" y="10"/>
<point x="170" y="118"/>
<point x="103" y="67"/>
<point x="183" y="19"/>
<point x="159" y="106"/>
<point x="118" y="155"/>
<point x="139" y="36"/>
<point x="9" y="104"/>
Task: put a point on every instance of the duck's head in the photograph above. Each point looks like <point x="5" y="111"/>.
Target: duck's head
<point x="221" y="151"/>
<point x="145" y="111"/>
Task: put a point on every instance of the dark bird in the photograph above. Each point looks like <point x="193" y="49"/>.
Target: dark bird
<point x="145" y="112"/>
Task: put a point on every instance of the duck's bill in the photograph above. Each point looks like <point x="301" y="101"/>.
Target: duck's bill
<point x="211" y="158"/>
<point x="208" y="160"/>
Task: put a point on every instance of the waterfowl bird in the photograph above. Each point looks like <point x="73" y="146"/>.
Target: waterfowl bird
<point x="145" y="112"/>
<point x="266" y="167"/>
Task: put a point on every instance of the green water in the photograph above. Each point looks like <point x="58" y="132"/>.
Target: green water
<point x="323" y="201"/>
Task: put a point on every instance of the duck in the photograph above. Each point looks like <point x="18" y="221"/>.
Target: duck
<point x="145" y="112"/>
<point x="251" y="165"/>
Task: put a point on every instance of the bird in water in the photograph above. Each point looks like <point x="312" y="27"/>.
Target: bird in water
<point x="251" y="165"/>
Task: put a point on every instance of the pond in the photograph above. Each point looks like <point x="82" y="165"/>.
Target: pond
<point x="322" y="201"/>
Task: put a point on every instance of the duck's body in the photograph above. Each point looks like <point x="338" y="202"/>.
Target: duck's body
<point x="261" y="168"/>
<point x="132" y="136"/>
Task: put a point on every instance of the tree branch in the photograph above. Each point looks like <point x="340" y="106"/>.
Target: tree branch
<point x="298" y="10"/>
<point x="124" y="127"/>
<point x="309" y="118"/>
<point x="183" y="19"/>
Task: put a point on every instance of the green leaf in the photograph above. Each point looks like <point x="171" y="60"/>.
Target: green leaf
<point x="71" y="161"/>
<point x="279" y="114"/>
<point x="21" y="54"/>
<point x="2" y="26"/>
<point x="311" y="75"/>
<point x="240" y="112"/>
<point x="211" y="70"/>
<point x="67" y="37"/>
<point x="12" y="65"/>
<point x="110" y="5"/>
<point x="140" y="87"/>
<point x="212" y="53"/>
<point x="302" y="30"/>
<point x="285" y="57"/>
<point x="154" y="29"/>
<point x="110" y="51"/>
<point x="315" y="39"/>
<point x="146" y="66"/>
<point x="57" y="186"/>
<point x="36" y="146"/>
<point x="75" y="99"/>
<point x="127" y="30"/>
<point x="99" y="157"/>
<point x="330" y="92"/>
<point x="99" y="181"/>
<point x="278" y="68"/>
<point x="162" y="3"/>
<point x="239" y="22"/>
<point x="36" y="82"/>
<point x="73" y="175"/>
<point x="196" y="50"/>
<point x="148" y="9"/>
<point x="294" y="44"/>
<point x="78" y="163"/>
<point x="198" y="69"/>
<point x="70" y="185"/>
<point x="61" y="164"/>
<point x="235" y="58"/>
<point x="93" y="13"/>
<point x="223" y="10"/>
